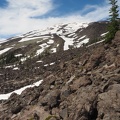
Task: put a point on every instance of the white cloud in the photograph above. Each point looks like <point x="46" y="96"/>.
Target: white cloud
<point x="16" y="18"/>
<point x="20" y="15"/>
<point x="98" y="14"/>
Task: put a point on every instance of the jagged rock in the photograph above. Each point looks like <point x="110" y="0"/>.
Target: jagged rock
<point x="82" y="81"/>
<point x="51" y="99"/>
<point x="109" y="104"/>
<point x="13" y="96"/>
<point x="31" y="96"/>
<point x="16" y="108"/>
<point x="65" y="92"/>
<point x="64" y="113"/>
<point x="62" y="65"/>
<point x="55" y="111"/>
<point x="117" y="36"/>
<point x="51" y="79"/>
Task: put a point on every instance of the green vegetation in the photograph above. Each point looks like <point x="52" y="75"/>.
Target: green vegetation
<point x="31" y="119"/>
<point x="51" y="116"/>
<point x="8" y="58"/>
<point x="114" y="23"/>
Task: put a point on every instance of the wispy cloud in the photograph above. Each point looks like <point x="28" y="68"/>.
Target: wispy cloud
<point x="21" y="16"/>
<point x="17" y="17"/>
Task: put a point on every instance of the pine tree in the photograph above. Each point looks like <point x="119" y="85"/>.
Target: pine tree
<point x="114" y="23"/>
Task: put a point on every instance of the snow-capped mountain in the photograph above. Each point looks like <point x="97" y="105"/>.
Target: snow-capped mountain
<point x="57" y="38"/>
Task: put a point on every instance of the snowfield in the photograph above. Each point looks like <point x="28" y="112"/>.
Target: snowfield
<point x="65" y="31"/>
<point x="68" y="42"/>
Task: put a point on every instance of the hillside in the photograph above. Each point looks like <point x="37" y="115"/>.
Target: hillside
<point x="24" y="58"/>
<point x="75" y="81"/>
<point x="54" y="39"/>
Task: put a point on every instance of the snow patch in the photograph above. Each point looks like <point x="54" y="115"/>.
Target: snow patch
<point x="52" y="63"/>
<point x="54" y="50"/>
<point x="83" y="42"/>
<point x="43" y="47"/>
<point x="18" y="55"/>
<point x="10" y="66"/>
<point x="49" y="64"/>
<point x="23" y="59"/>
<point x="2" y="40"/>
<point x="19" y="91"/>
<point x="16" y="68"/>
<point x="103" y="34"/>
<point x="39" y="51"/>
<point x="50" y="42"/>
<point x="68" y="42"/>
<point x="28" y="39"/>
<point x="5" y="50"/>
<point x="82" y="37"/>
<point x="96" y="43"/>
<point x="46" y="65"/>
<point x="40" y="61"/>
<point x="71" y="34"/>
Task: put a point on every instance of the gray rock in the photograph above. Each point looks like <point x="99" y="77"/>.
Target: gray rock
<point x="16" y="109"/>
<point x="64" y="113"/>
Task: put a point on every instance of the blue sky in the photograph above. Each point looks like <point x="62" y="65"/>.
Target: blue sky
<point x="21" y="16"/>
<point x="68" y="6"/>
<point x="3" y="3"/>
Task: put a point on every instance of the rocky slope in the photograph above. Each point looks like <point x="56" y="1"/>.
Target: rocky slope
<point x="25" y="58"/>
<point x="78" y="84"/>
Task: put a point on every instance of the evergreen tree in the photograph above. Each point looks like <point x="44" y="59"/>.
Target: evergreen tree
<point x="114" y="23"/>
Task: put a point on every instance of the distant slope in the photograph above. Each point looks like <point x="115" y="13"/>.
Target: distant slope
<point x="72" y="35"/>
